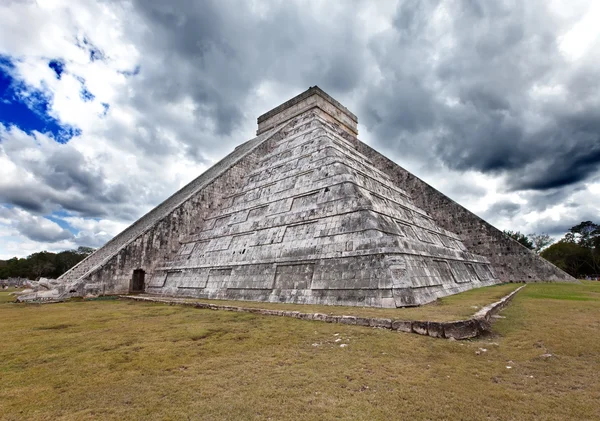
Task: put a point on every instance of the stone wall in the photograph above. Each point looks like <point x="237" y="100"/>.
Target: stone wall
<point x="475" y="326"/>
<point x="511" y="261"/>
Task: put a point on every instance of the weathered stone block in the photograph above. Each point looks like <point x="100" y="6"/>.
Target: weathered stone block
<point x="402" y="325"/>
<point x="382" y="323"/>
<point x="419" y="327"/>
<point x="320" y="317"/>
<point x="435" y="329"/>
<point x="363" y="321"/>
<point x="348" y="320"/>
<point x="463" y="329"/>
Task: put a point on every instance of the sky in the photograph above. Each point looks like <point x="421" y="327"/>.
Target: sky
<point x="109" y="107"/>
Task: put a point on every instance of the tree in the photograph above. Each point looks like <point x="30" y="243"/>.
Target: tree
<point x="540" y="241"/>
<point x="586" y="234"/>
<point x="578" y="252"/>
<point x="521" y="238"/>
<point x="568" y="256"/>
<point x="43" y="264"/>
<point x="86" y="251"/>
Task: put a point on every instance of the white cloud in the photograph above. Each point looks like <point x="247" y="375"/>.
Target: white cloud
<point x="21" y="232"/>
<point x="582" y="36"/>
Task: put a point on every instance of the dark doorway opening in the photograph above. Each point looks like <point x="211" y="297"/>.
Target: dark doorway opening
<point x="137" y="280"/>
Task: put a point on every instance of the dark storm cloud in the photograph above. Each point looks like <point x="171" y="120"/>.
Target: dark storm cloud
<point x="560" y="227"/>
<point x="217" y="53"/>
<point x="23" y="198"/>
<point x="67" y="180"/>
<point x="571" y="148"/>
<point x="503" y="209"/>
<point x="40" y="198"/>
<point x="540" y="200"/>
<point x="473" y="102"/>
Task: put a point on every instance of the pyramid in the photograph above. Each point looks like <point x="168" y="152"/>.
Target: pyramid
<point x="307" y="213"/>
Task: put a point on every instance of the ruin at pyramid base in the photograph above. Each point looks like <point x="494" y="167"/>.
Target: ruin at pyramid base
<point x="306" y="213"/>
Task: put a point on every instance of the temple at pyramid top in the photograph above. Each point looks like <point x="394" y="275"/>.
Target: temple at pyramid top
<point x="313" y="97"/>
<point x="306" y="213"/>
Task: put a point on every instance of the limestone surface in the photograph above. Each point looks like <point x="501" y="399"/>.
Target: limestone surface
<point x="316" y="222"/>
<point x="307" y="213"/>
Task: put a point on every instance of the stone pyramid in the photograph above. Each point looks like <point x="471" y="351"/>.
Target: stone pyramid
<point x="307" y="213"/>
<point x="314" y="221"/>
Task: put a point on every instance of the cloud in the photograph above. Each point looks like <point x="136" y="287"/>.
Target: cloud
<point x="503" y="209"/>
<point x="23" y="232"/>
<point x="94" y="232"/>
<point x="42" y="175"/>
<point x="486" y="87"/>
<point x="494" y="103"/>
<point x="33" y="227"/>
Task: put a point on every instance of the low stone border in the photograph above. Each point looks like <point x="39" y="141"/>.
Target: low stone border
<point x="460" y="329"/>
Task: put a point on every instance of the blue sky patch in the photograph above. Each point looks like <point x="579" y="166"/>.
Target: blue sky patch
<point x="58" y="218"/>
<point x="86" y="95"/>
<point x="95" y="52"/>
<point x="28" y="108"/>
<point x="58" y="67"/>
<point x="133" y="72"/>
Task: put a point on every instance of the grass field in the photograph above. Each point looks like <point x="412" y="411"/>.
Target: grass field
<point x="130" y="360"/>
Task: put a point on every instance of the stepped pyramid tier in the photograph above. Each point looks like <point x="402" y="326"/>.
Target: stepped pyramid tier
<point x="307" y="213"/>
<point x="316" y="222"/>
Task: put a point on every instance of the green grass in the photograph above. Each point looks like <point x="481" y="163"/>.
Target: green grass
<point x="455" y="307"/>
<point x="5" y="296"/>
<point x="129" y="360"/>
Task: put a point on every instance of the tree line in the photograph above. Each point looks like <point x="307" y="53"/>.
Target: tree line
<point x="577" y="253"/>
<point x="43" y="264"/>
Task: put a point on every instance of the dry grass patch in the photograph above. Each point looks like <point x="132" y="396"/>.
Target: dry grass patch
<point x="130" y="360"/>
<point x="5" y="296"/>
